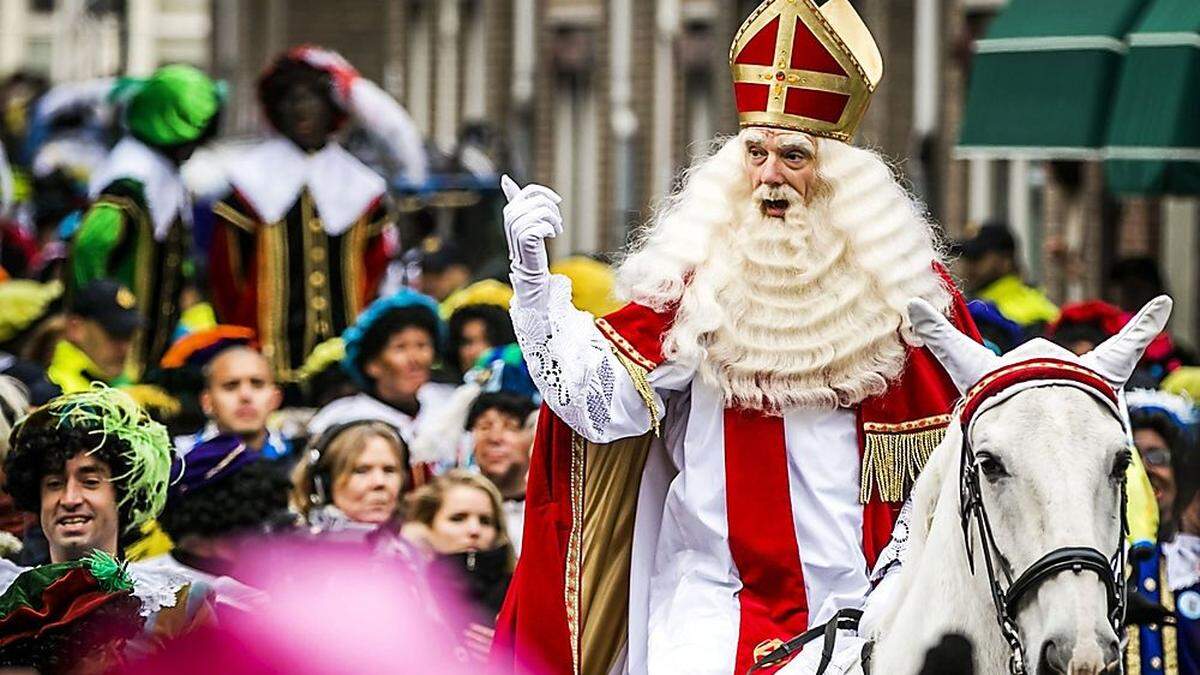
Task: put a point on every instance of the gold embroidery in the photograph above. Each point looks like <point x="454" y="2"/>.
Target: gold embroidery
<point x="273" y="297"/>
<point x="895" y="454"/>
<point x="1133" y="650"/>
<point x="233" y="217"/>
<point x="623" y="345"/>
<point x="1170" y="638"/>
<point x="938" y="421"/>
<point x="575" y="547"/>
<point x="352" y="260"/>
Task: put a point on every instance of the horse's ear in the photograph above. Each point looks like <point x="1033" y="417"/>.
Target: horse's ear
<point x="964" y="359"/>
<point x="1116" y="358"/>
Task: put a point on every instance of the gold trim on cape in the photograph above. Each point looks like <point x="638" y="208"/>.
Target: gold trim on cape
<point x="623" y="345"/>
<point x="894" y="455"/>
<point x="273" y="297"/>
<point x="575" y="548"/>
<point x="353" y="250"/>
<point x="235" y="218"/>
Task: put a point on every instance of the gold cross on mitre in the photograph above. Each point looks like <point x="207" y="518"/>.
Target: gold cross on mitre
<point x="797" y="66"/>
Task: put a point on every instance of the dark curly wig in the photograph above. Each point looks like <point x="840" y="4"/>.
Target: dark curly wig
<point x="40" y="447"/>
<point x="103" y="633"/>
<point x="376" y="337"/>
<point x="497" y="325"/>
<point x="242" y="502"/>
<point x="286" y="73"/>
<point x="514" y="405"/>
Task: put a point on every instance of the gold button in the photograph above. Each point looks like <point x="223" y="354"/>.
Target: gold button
<point x="317" y="278"/>
<point x="1150" y="584"/>
<point x="319" y="303"/>
<point x="317" y="254"/>
<point x="314" y="225"/>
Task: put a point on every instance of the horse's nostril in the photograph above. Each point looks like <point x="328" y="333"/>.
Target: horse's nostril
<point x="1054" y="658"/>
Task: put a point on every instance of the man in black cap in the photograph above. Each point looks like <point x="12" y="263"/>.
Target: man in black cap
<point x="994" y="275"/>
<point x="101" y="319"/>
<point x="443" y="269"/>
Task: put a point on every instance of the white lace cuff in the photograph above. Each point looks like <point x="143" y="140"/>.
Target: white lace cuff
<point x="569" y="360"/>
<point x="893" y="555"/>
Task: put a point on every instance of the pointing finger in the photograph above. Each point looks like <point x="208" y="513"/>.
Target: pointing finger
<point x="510" y="187"/>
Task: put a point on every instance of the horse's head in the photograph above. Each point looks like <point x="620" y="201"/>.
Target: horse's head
<point x="1046" y="452"/>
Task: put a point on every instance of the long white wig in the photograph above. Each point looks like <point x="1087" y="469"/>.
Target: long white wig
<point x="807" y="311"/>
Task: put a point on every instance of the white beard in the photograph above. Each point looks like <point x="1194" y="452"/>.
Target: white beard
<point x="808" y="310"/>
<point x="802" y="324"/>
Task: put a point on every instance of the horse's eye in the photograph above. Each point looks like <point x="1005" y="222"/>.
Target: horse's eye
<point x="1121" y="464"/>
<point x="991" y="467"/>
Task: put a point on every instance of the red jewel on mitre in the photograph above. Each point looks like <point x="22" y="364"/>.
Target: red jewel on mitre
<point x="800" y="67"/>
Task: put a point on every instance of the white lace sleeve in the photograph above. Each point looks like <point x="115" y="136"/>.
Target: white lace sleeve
<point x="574" y="367"/>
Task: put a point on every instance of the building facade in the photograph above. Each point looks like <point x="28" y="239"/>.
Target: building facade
<point x="81" y="39"/>
<point x="605" y="100"/>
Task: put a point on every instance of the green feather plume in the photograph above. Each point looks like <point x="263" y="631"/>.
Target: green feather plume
<point x="108" y="572"/>
<point x="148" y="455"/>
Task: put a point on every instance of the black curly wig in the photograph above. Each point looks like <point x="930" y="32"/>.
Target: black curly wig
<point x="102" y="633"/>
<point x="286" y="73"/>
<point x="497" y="325"/>
<point x="507" y="403"/>
<point x="376" y="337"/>
<point x="41" y="446"/>
<point x="243" y="502"/>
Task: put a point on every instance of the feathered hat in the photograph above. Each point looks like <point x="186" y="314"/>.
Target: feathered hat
<point x="111" y="418"/>
<point x="805" y="68"/>
<point x="362" y="100"/>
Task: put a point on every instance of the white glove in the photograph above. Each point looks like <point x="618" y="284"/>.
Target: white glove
<point x="530" y="217"/>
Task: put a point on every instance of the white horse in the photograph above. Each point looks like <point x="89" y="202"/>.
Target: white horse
<point x="1050" y="453"/>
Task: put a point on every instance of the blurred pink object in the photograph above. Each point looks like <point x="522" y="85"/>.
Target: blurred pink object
<point x="331" y="610"/>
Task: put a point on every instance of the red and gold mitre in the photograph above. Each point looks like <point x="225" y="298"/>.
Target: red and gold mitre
<point x="797" y="66"/>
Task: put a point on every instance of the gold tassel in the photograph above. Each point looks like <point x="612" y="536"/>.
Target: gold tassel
<point x="892" y="461"/>
<point x="639" y="374"/>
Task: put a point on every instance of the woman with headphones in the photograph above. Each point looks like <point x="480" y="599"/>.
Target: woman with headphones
<point x="354" y="478"/>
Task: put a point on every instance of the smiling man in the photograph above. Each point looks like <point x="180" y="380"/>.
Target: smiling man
<point x="721" y="461"/>
<point x="94" y="468"/>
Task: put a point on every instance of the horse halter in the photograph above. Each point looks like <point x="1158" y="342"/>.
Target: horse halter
<point x="1110" y="569"/>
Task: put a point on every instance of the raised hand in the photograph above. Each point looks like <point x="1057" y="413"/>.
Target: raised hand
<point x="531" y="217"/>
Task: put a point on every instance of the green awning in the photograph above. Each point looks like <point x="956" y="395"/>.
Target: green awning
<point x="1042" y="79"/>
<point x="1154" y="133"/>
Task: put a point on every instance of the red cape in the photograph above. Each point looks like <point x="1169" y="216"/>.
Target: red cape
<point x="540" y="626"/>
